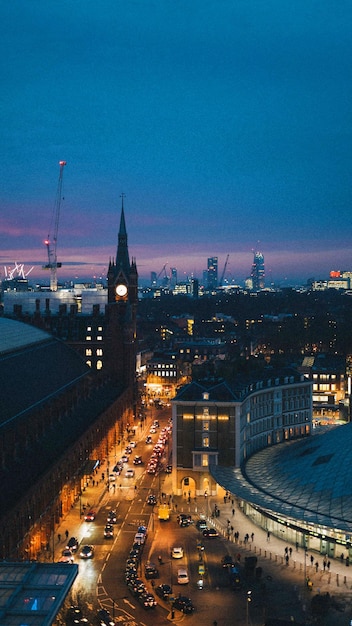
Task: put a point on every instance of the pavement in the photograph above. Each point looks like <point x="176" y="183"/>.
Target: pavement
<point x="276" y="573"/>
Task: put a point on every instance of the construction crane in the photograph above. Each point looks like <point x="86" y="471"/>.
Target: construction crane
<point x="224" y="271"/>
<point x="163" y="269"/>
<point x="51" y="247"/>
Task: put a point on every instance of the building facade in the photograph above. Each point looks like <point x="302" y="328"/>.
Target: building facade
<point x="216" y="423"/>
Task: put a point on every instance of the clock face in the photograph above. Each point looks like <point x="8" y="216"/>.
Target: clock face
<point x="121" y="290"/>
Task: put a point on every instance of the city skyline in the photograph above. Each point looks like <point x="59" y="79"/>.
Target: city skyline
<point x="228" y="129"/>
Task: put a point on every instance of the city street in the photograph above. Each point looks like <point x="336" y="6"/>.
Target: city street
<point x="280" y="591"/>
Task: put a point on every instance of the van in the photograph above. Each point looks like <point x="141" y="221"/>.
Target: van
<point x="182" y="576"/>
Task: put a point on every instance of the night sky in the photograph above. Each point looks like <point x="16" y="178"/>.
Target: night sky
<point x="226" y="124"/>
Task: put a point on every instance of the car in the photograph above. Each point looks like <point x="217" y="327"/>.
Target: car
<point x="72" y="544"/>
<point x="129" y="473"/>
<point x="184" y="519"/>
<point x="111" y="518"/>
<point x="132" y="444"/>
<point x="108" y="531"/>
<point x="210" y="533"/>
<point x="73" y="615"/>
<point x="152" y="431"/>
<point x="148" y="440"/>
<point x="142" y="529"/>
<point x="182" y="576"/>
<point x="87" y="552"/>
<point x="139" y="538"/>
<point x="177" y="552"/>
<point x="124" y="459"/>
<point x="137" y="460"/>
<point x="128" y="450"/>
<point x="112" y="477"/>
<point x="151" y="571"/>
<point x="201" y="524"/>
<point x="227" y="561"/>
<point x="163" y="591"/>
<point x="104" y="618"/>
<point x="136" y="587"/>
<point x="151" y="469"/>
<point x="66" y="558"/>
<point x="90" y="516"/>
<point x="151" y="500"/>
<point x="168" y="469"/>
<point x="147" y="600"/>
<point x="117" y="468"/>
<point x="184" y="604"/>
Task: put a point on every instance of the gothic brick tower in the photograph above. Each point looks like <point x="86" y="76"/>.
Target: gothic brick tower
<point x="121" y="311"/>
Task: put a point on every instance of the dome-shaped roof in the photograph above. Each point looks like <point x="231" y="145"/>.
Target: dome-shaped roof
<point x="308" y="480"/>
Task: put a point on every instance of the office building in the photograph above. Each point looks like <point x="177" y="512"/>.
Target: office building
<point x="212" y="273"/>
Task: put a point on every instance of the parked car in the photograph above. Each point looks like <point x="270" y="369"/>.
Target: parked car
<point x="227" y="561"/>
<point x="87" y="552"/>
<point x="151" y="571"/>
<point x="163" y="591"/>
<point x="184" y="604"/>
<point x="151" y="500"/>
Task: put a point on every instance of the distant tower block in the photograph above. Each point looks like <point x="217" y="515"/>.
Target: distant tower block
<point x="258" y="272"/>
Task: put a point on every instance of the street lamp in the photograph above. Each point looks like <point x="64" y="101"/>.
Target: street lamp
<point x="249" y="599"/>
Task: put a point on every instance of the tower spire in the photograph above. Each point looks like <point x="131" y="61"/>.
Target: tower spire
<point x="122" y="256"/>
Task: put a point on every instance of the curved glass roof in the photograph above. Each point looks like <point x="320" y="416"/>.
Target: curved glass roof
<point x="309" y="480"/>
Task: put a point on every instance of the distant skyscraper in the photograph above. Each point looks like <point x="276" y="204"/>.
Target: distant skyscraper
<point x="258" y="272"/>
<point x="212" y="272"/>
<point x="153" y="279"/>
<point x="173" y="277"/>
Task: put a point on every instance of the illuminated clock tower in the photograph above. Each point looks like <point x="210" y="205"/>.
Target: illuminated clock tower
<point x="121" y="312"/>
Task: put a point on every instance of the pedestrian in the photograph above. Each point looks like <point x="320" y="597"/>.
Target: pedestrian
<point x="316" y="566"/>
<point x="296" y="546"/>
<point x="286" y="550"/>
<point x="290" y="550"/>
<point x="59" y="537"/>
<point x="347" y="561"/>
<point x="311" y="559"/>
<point x="66" y="534"/>
<point x="328" y="565"/>
<point x="232" y="529"/>
<point x="324" y="564"/>
<point x="232" y="502"/>
<point x="268" y="535"/>
<point x="252" y="537"/>
<point x="233" y="512"/>
<point x="287" y="559"/>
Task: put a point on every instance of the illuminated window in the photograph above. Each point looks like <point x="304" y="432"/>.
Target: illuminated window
<point x="89" y="363"/>
<point x="89" y="329"/>
<point x="99" y="352"/>
<point x="99" y="338"/>
<point x="205" y="460"/>
<point x="205" y="425"/>
<point x="88" y="352"/>
<point x="205" y="440"/>
<point x="88" y="338"/>
<point x="100" y="329"/>
<point x="99" y="365"/>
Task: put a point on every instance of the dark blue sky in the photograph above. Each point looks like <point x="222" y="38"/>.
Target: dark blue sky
<point x="227" y="124"/>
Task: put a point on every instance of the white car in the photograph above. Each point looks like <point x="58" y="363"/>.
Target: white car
<point x="177" y="553"/>
<point x="182" y="576"/>
<point x="132" y="444"/>
<point x="129" y="473"/>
